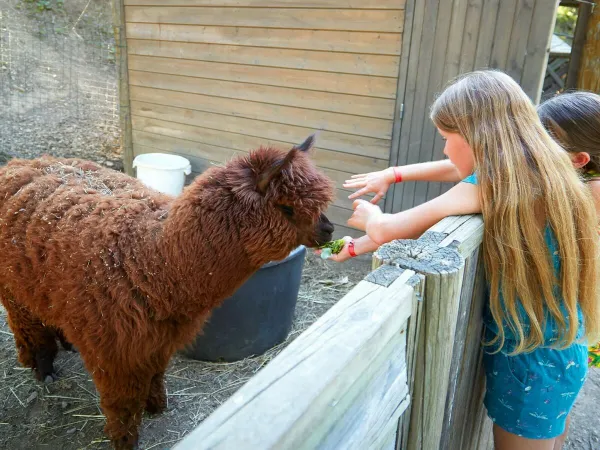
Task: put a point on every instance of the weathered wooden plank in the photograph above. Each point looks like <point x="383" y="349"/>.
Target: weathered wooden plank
<point x="538" y="49"/>
<point x="471" y="35"/>
<point x="334" y="4"/>
<point x="468" y="236"/>
<point x="414" y="339"/>
<point x="305" y="106"/>
<point x="380" y="21"/>
<point x="487" y="29"/>
<point x="246" y="143"/>
<point x="441" y="53"/>
<point x="357" y="85"/>
<point x="589" y="70"/>
<point x="328" y="140"/>
<point x="460" y="369"/>
<point x="206" y="143"/>
<point x="330" y="41"/>
<point x="344" y="63"/>
<point x="517" y="49"/>
<point x="505" y="18"/>
<point x="407" y="144"/>
<point x="422" y="102"/>
<point x="443" y="270"/>
<point x="333" y="361"/>
<point x="118" y="14"/>
<point x="400" y="99"/>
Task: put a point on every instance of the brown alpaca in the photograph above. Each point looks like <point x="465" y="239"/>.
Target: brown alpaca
<point x="129" y="275"/>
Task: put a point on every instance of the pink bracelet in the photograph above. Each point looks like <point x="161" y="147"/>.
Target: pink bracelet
<point x="397" y="174"/>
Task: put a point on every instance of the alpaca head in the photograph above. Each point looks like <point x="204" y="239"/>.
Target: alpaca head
<point x="278" y="200"/>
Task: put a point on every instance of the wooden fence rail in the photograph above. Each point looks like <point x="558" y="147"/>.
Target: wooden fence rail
<point x="395" y="364"/>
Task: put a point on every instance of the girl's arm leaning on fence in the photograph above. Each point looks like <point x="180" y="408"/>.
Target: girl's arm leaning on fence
<point x="410" y="224"/>
<point x="379" y="182"/>
<point x="381" y="228"/>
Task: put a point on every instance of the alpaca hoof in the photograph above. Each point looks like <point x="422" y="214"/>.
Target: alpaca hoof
<point x="156" y="404"/>
<point x="125" y="444"/>
<point x="153" y="408"/>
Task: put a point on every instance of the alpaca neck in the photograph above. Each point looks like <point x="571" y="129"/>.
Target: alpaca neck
<point x="197" y="260"/>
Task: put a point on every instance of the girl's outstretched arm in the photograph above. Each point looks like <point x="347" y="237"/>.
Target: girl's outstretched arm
<point x="379" y="182"/>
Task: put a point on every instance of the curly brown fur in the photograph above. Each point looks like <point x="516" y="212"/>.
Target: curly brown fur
<point x="129" y="275"/>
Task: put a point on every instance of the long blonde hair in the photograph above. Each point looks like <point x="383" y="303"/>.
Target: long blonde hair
<point x="526" y="182"/>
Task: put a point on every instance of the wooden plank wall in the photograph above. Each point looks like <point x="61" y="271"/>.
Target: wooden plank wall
<point x="444" y="38"/>
<point x="209" y="79"/>
<point x="589" y="71"/>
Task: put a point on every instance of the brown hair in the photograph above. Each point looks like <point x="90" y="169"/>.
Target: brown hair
<point x="573" y="119"/>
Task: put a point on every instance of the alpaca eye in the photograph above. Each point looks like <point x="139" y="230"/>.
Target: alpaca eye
<point x="287" y="210"/>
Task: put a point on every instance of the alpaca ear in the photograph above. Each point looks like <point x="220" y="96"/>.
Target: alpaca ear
<point x="307" y="144"/>
<point x="265" y="178"/>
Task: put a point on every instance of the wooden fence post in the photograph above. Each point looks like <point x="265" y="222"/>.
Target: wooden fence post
<point x="118" y="11"/>
<point x="444" y="337"/>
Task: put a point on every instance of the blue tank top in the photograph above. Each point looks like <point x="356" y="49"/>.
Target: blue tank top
<point x="551" y="328"/>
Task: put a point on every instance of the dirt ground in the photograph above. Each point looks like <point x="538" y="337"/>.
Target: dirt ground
<point x="66" y="414"/>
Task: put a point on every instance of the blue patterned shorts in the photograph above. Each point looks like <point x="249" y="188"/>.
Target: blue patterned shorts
<point x="532" y="394"/>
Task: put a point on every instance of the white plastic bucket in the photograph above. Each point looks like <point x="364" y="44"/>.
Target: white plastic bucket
<point x="162" y="172"/>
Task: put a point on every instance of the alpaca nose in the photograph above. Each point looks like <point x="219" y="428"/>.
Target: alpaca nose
<point x="324" y="230"/>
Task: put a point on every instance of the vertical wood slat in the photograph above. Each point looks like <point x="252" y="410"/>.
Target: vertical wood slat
<point x="444" y="337"/>
<point x="399" y="113"/>
<point x="589" y="72"/>
<point x="118" y="12"/>
<point x="412" y="63"/>
<point x="510" y="35"/>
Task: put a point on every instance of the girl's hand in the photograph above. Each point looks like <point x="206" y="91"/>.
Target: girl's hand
<point x="364" y="212"/>
<point x="376" y="182"/>
<point x="343" y="255"/>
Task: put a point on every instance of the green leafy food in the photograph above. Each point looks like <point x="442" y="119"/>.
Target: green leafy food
<point x="333" y="246"/>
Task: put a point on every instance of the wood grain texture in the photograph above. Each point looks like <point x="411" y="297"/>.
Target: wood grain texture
<point x="329" y="41"/>
<point x="357" y="85"/>
<point x="350" y="364"/>
<point x="589" y="70"/>
<point x="349" y="63"/>
<point x="382" y="21"/>
<point x="264" y="102"/>
<point x="118" y="14"/>
<point x="212" y="118"/>
<point x="327" y="4"/>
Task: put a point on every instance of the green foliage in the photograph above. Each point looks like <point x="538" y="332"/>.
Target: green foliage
<point x="566" y="19"/>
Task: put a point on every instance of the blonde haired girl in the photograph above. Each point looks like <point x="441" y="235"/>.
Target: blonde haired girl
<point x="540" y="251"/>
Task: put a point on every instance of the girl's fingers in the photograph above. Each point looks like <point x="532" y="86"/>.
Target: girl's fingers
<point x="361" y="183"/>
<point x="377" y="197"/>
<point x="357" y="194"/>
<point x="360" y="175"/>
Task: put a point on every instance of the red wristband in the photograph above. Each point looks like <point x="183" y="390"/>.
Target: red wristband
<point x="397" y="174"/>
<point x="351" y="248"/>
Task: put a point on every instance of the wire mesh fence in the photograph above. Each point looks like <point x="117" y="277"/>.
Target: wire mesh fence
<point x="58" y="85"/>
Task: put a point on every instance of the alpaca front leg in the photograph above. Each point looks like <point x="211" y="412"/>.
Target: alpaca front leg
<point x="35" y="342"/>
<point x="122" y="398"/>
<point x="157" y="399"/>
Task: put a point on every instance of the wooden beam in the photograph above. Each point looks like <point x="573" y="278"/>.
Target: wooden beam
<point x="341" y="384"/>
<point x="118" y="12"/>
<point x="444" y="335"/>
<point x="589" y="69"/>
<point x="585" y="11"/>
